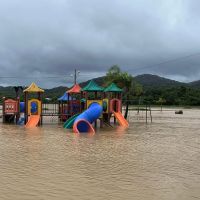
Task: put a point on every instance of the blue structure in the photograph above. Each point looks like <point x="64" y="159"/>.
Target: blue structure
<point x="83" y="122"/>
<point x="33" y="107"/>
<point x="21" y="121"/>
<point x="22" y="107"/>
<point x="65" y="97"/>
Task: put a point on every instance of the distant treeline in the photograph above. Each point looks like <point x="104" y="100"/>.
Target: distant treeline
<point x="176" y="95"/>
<point x="146" y="89"/>
<point x="179" y="95"/>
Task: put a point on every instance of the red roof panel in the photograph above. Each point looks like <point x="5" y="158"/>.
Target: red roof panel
<point x="75" y="89"/>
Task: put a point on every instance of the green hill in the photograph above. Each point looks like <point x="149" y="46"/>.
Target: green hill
<point x="55" y="93"/>
<point x="149" y="80"/>
<point x="194" y="84"/>
<point x="146" y="80"/>
<point x="154" y="87"/>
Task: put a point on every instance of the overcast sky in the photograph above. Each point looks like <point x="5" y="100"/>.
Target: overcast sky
<point x="49" y="38"/>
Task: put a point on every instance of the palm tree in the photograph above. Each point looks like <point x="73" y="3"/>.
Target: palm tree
<point x="138" y="91"/>
<point x="161" y="101"/>
<point x="123" y="80"/>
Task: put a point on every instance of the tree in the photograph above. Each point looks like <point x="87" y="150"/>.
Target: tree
<point x="123" y="80"/>
<point x="138" y="92"/>
<point x="113" y="75"/>
<point x="161" y="101"/>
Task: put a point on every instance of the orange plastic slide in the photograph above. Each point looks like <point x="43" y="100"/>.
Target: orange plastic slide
<point x="33" y="121"/>
<point x="122" y="121"/>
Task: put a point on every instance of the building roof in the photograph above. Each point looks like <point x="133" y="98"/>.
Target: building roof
<point x="93" y="87"/>
<point x="65" y="97"/>
<point x="75" y="89"/>
<point x="33" y="88"/>
<point x="112" y="88"/>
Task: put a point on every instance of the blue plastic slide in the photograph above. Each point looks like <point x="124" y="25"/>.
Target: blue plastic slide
<point x="83" y="123"/>
<point x="21" y="121"/>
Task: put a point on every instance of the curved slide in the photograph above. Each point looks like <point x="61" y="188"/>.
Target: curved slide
<point x="83" y="123"/>
<point x="120" y="118"/>
<point x="69" y="123"/>
<point x="33" y="121"/>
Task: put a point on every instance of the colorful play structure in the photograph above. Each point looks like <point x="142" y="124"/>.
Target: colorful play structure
<point x="28" y="112"/>
<point x="81" y="109"/>
<point x="94" y="103"/>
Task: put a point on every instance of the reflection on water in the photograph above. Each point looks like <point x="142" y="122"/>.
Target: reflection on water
<point x="155" y="161"/>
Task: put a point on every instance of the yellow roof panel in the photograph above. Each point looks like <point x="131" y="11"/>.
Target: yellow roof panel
<point x="33" y="88"/>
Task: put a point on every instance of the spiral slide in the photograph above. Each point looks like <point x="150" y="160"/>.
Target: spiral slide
<point x="83" y="123"/>
<point x="33" y="121"/>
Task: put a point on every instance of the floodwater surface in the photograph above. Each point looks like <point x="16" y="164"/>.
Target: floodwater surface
<point x="155" y="161"/>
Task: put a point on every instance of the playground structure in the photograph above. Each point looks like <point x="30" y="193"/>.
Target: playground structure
<point x="11" y="112"/>
<point x="79" y="108"/>
<point x="33" y="107"/>
<point x="97" y="103"/>
<point x="68" y="105"/>
<point x="28" y="112"/>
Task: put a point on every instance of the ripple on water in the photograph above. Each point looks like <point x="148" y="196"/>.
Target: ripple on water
<point x="154" y="161"/>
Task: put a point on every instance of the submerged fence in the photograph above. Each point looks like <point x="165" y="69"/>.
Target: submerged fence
<point x="143" y="112"/>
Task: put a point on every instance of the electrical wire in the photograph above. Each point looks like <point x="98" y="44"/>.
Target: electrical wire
<point x="89" y="75"/>
<point x="166" y="62"/>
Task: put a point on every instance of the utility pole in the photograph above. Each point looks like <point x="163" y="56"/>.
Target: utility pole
<point x="75" y="76"/>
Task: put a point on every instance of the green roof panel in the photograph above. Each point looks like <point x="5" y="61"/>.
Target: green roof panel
<point x="93" y="87"/>
<point x="112" y="88"/>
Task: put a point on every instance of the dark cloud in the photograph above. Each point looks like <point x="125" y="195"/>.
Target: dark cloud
<point x="49" y="38"/>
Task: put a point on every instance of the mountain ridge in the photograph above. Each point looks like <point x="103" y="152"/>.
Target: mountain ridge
<point x="146" y="80"/>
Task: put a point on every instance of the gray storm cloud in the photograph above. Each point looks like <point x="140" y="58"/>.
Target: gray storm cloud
<point x="49" y="38"/>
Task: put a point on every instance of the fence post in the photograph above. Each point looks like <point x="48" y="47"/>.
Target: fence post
<point x="146" y="113"/>
<point x="150" y="112"/>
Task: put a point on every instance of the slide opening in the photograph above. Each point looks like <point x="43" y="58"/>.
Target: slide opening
<point x="84" y="126"/>
<point x="34" y="108"/>
<point x="115" y="108"/>
<point x="115" y="105"/>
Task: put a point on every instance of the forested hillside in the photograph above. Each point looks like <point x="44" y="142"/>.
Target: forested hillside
<point x="153" y="88"/>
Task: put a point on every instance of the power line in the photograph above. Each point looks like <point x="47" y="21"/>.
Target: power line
<point x="167" y="61"/>
<point x="37" y="77"/>
<point x="45" y="77"/>
<point x="89" y="75"/>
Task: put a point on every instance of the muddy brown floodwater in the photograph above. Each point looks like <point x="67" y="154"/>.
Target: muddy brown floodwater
<point x="156" y="161"/>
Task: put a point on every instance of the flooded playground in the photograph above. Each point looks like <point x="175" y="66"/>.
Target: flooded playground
<point x="158" y="160"/>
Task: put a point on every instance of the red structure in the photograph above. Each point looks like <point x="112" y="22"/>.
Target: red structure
<point x="68" y="104"/>
<point x="11" y="110"/>
<point x="76" y="89"/>
<point x="115" y="105"/>
<point x="74" y="105"/>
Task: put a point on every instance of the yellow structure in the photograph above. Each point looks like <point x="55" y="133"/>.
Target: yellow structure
<point x="30" y="117"/>
<point x="89" y="102"/>
<point x="39" y="107"/>
<point x="33" y="88"/>
<point x="104" y="103"/>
